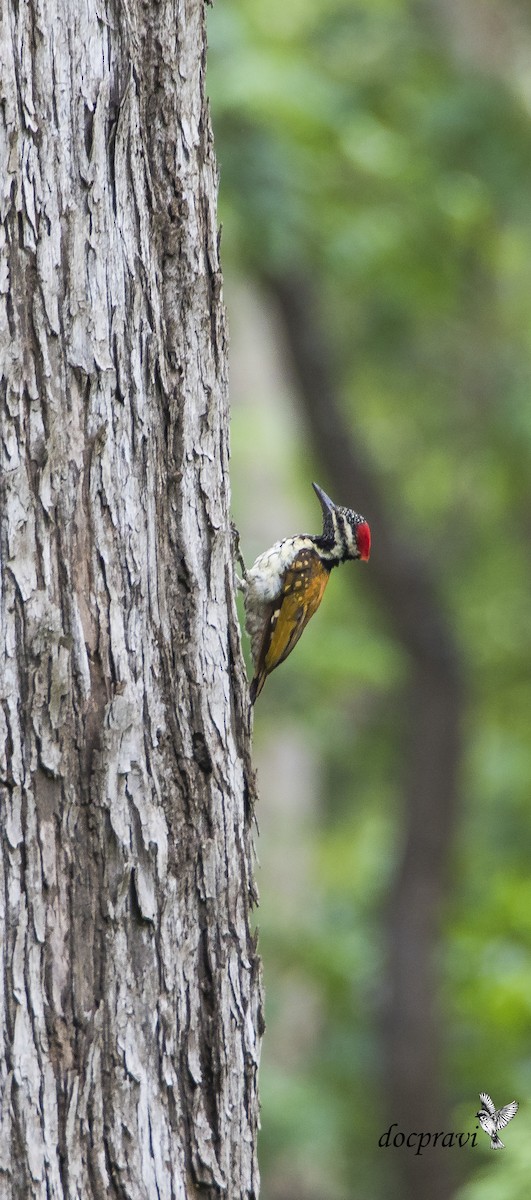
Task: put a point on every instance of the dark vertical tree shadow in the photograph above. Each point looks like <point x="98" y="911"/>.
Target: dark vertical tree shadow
<point x="413" y="1026"/>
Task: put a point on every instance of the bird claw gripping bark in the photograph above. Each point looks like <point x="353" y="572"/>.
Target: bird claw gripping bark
<point x="237" y="557"/>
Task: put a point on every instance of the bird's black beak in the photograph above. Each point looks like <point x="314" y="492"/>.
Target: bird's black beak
<point x="326" y="503"/>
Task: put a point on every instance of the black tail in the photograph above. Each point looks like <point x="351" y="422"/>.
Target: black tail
<point x="257" y="685"/>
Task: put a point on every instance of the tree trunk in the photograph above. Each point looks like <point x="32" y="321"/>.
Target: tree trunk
<point x="129" y="987"/>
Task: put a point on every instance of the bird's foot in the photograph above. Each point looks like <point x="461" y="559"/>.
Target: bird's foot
<point x="241" y="583"/>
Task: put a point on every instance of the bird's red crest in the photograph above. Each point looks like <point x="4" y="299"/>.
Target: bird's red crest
<point x="363" y="540"/>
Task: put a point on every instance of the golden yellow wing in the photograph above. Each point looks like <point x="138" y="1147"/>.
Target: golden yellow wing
<point x="302" y="591"/>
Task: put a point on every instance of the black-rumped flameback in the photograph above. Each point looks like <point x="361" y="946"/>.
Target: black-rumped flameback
<point x="285" y="586"/>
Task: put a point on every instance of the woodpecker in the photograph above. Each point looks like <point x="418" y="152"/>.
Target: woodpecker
<point x="285" y="585"/>
<point x="491" y="1119"/>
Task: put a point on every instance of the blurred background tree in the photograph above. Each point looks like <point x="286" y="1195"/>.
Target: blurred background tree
<point x="375" y="195"/>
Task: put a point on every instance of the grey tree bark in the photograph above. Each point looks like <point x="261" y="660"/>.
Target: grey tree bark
<point x="130" y="1007"/>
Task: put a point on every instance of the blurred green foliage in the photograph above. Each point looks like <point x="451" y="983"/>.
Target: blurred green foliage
<point x="366" y="141"/>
